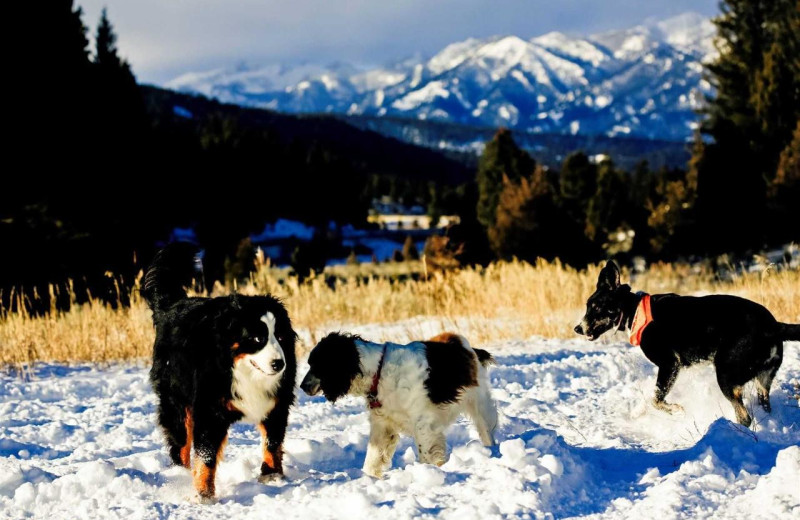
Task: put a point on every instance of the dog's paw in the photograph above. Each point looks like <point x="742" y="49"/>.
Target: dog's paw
<point x="670" y="408"/>
<point x="271" y="477"/>
<point x="372" y="472"/>
<point x="201" y="499"/>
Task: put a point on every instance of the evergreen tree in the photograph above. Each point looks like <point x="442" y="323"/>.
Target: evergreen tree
<point x="608" y="208"/>
<point x="530" y="225"/>
<point x="106" y="44"/>
<point x="114" y="71"/>
<point x="643" y="184"/>
<point x="59" y="51"/>
<point x="788" y="173"/>
<point x="577" y="184"/>
<point x="671" y="207"/>
<point x="785" y="192"/>
<point x="749" y="120"/>
<point x="65" y="36"/>
<point x="501" y="157"/>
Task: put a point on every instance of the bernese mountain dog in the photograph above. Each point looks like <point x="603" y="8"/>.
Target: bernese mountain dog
<point x="217" y="361"/>
<point x="418" y="389"/>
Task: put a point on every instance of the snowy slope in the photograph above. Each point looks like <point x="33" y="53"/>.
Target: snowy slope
<point x="577" y="438"/>
<point x="644" y="81"/>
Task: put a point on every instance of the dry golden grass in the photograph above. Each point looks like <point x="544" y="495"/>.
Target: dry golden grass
<point x="504" y="300"/>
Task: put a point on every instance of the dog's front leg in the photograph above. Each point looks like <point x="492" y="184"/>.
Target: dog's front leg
<point x="667" y="374"/>
<point x="431" y="443"/>
<point x="380" y="450"/>
<point x="273" y="431"/>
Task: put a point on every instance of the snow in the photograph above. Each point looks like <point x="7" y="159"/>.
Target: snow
<point x="426" y="94"/>
<point x="690" y="32"/>
<point x="577" y="438"/>
<point x="451" y="56"/>
<point x="283" y="228"/>
<point x="377" y="79"/>
<point x="572" y="47"/>
<point x="182" y="112"/>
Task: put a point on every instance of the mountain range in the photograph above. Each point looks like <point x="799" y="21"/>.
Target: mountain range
<point x="642" y="82"/>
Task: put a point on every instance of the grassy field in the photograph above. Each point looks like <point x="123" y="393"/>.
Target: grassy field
<point x="503" y="300"/>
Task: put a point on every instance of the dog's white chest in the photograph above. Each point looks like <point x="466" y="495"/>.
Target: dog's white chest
<point x="252" y="395"/>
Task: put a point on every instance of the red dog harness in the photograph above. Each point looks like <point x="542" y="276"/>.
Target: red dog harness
<point x="642" y="318"/>
<point x="372" y="395"/>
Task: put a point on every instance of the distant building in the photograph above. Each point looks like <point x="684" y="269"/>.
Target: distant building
<point x="393" y="216"/>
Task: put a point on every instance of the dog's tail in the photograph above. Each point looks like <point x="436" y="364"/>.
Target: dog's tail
<point x="171" y="271"/>
<point x="484" y="357"/>
<point x="789" y="332"/>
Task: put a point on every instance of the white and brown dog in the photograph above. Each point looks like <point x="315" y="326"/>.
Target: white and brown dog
<point x="418" y="389"/>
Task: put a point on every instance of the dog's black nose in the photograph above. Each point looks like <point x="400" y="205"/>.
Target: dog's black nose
<point x="277" y="365"/>
<point x="579" y="329"/>
<point x="310" y="384"/>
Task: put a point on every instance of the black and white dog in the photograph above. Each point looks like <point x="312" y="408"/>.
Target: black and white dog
<point x="217" y="361"/>
<point x="740" y="337"/>
<point x="418" y="389"/>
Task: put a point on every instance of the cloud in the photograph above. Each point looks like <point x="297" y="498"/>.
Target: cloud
<point x="163" y="38"/>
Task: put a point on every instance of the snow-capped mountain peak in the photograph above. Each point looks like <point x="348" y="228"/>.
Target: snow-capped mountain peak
<point x="644" y="81"/>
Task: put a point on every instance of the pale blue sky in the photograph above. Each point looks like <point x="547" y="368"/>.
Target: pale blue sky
<point x="164" y="38"/>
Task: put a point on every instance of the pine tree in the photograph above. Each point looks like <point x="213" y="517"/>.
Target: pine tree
<point x="69" y="39"/>
<point x="671" y="207"/>
<point x="577" y="183"/>
<point x="749" y="120"/>
<point x="785" y="192"/>
<point x="502" y="157"/>
<point x="578" y="178"/>
<point x="106" y="58"/>
<point x="529" y="224"/>
<point x="61" y="51"/>
<point x="788" y="173"/>
<point x="106" y="43"/>
<point x="607" y="209"/>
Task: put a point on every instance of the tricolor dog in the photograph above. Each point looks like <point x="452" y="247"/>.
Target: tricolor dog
<point x="418" y="389"/>
<point x="740" y="337"/>
<point x="217" y="361"/>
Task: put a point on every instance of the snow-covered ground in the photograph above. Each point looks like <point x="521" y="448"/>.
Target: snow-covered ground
<point x="577" y="438"/>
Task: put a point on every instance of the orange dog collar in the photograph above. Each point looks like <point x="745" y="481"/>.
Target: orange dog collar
<point x="642" y="318"/>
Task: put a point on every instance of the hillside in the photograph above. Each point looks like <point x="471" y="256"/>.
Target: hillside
<point x="366" y="152"/>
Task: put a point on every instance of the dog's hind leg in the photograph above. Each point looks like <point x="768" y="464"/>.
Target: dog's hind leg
<point x="380" y="450"/>
<point x="177" y="423"/>
<point x="734" y="394"/>
<point x="481" y="408"/>
<point x="764" y="380"/>
<point x="431" y="443"/>
<point x="667" y="374"/>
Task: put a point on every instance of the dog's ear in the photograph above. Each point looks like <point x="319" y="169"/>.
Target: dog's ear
<point x="609" y="277"/>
